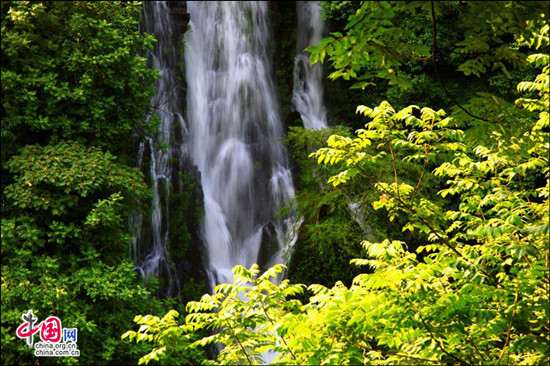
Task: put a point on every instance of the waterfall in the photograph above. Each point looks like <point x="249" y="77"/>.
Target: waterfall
<point x="235" y="136"/>
<point x="307" y="96"/>
<point x="166" y="152"/>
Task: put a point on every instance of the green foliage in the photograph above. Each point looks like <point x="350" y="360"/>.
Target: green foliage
<point x="328" y="233"/>
<point x="338" y="10"/>
<point x="476" y="290"/>
<point x="99" y="300"/>
<point x="301" y="142"/>
<point x="247" y="310"/>
<point x="342" y="100"/>
<point x="74" y="91"/>
<point x="333" y="219"/>
<point x="184" y="212"/>
<point x="489" y="258"/>
<point x="75" y="195"/>
<point x="73" y="70"/>
<point x="490" y="28"/>
<point x="64" y="240"/>
<point x="172" y="341"/>
<point x="376" y="62"/>
<point x="373" y="47"/>
<point x="377" y="46"/>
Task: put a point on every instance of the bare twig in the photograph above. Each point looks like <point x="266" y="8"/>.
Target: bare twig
<point x="434" y="338"/>
<point x="273" y="323"/>
<point x="394" y="167"/>
<point x="426" y="152"/>
<point x="476" y="349"/>
<point x="509" y="329"/>
<point x="411" y="357"/>
<point x="239" y="342"/>
<point x="419" y="181"/>
<point x="173" y="349"/>
<point x="441" y="239"/>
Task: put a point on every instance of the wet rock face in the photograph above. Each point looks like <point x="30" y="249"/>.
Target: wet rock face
<point x="190" y="265"/>
<point x="269" y="246"/>
<point x="180" y="16"/>
<point x="168" y="243"/>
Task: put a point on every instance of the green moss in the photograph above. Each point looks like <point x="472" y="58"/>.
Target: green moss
<point x="185" y="216"/>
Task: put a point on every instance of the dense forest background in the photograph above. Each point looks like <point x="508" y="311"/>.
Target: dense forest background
<point x="438" y="139"/>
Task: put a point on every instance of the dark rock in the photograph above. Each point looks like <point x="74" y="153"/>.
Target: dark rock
<point x="268" y="247"/>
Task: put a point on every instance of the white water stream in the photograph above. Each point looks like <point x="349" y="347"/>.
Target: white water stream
<point x="163" y="148"/>
<point x="307" y="97"/>
<point x="235" y="136"/>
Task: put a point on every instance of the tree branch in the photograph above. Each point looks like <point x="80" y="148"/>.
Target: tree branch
<point x="426" y="152"/>
<point x="411" y="357"/>
<point x="239" y="342"/>
<point x="394" y="167"/>
<point x="434" y="53"/>
<point x="273" y="323"/>
<point x="509" y="329"/>
<point x="441" y="239"/>
<point x="419" y="181"/>
<point x="436" y="340"/>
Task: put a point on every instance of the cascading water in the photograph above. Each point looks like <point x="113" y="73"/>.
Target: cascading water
<point x="167" y="150"/>
<point x="307" y="97"/>
<point x="235" y="132"/>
